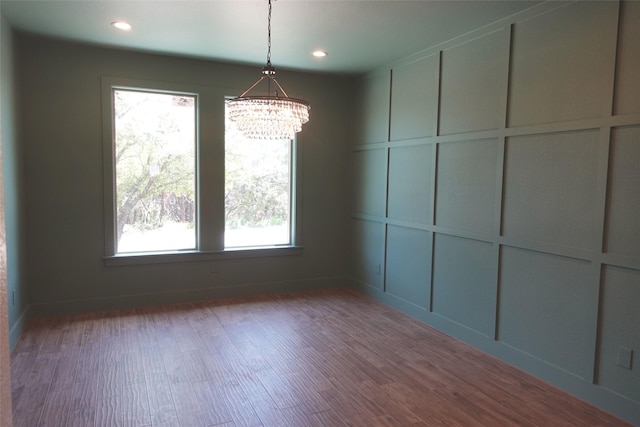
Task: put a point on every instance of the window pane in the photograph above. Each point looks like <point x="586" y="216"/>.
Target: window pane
<point x="257" y="190"/>
<point x="155" y="146"/>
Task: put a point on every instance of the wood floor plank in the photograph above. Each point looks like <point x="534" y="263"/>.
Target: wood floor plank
<point x="174" y="364"/>
<point x="237" y="403"/>
<point x="28" y="409"/>
<point x="33" y="336"/>
<point x="108" y="378"/>
<point x="185" y="399"/>
<point x="21" y="363"/>
<point x="298" y="416"/>
<point x="131" y="329"/>
<point x="278" y="389"/>
<point x="305" y="392"/>
<point x="135" y="405"/>
<point x="195" y="369"/>
<point x="390" y="404"/>
<point x="64" y="376"/>
<point x="319" y="358"/>
<point x="248" y="380"/>
<point x="161" y="406"/>
<point x="326" y="418"/>
<point x="92" y="331"/>
<point x="349" y="404"/>
<point x="151" y="357"/>
<point x="268" y="411"/>
<point x="252" y="355"/>
<point x="110" y="331"/>
<point x="52" y="342"/>
<point x="217" y="370"/>
<point x="212" y="403"/>
<point x="108" y="411"/>
<point x="72" y="339"/>
<point x="165" y="420"/>
<point x="384" y="421"/>
<point x="196" y="419"/>
<point x="82" y="411"/>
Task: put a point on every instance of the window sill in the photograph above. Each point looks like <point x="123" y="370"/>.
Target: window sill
<point x="142" y="258"/>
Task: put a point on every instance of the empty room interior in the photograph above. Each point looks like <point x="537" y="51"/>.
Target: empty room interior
<point x="451" y="237"/>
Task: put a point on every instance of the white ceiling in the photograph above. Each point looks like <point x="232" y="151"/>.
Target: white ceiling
<point x="359" y="35"/>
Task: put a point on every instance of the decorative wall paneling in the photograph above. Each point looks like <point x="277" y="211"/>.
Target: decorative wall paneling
<point x="497" y="193"/>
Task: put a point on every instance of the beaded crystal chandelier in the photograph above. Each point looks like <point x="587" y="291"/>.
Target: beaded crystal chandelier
<point x="274" y="116"/>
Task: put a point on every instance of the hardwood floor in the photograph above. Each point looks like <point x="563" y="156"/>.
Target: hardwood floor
<point x="328" y="358"/>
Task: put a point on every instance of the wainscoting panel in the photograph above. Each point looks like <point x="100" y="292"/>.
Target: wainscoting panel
<point x="544" y="308"/>
<point x="559" y="63"/>
<point x="464" y="283"/>
<point x="408" y="264"/>
<point x="375" y="108"/>
<point x="549" y="189"/>
<point x="410" y="176"/>
<point x="370" y="182"/>
<point x="466" y="185"/>
<point x="473" y="104"/>
<point x="627" y="94"/>
<point x="414" y="99"/>
<point x="620" y="320"/>
<point x="623" y="213"/>
<point x="368" y="252"/>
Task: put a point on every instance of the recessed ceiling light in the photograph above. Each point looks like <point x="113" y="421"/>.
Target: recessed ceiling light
<point x="121" y="25"/>
<point x="319" y="53"/>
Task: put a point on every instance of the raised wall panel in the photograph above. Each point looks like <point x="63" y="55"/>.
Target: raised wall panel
<point x="549" y="187"/>
<point x="408" y="264"/>
<point x="620" y="323"/>
<point x="375" y="108"/>
<point x="466" y="185"/>
<point x="623" y="210"/>
<point x="560" y="64"/>
<point x="464" y="282"/>
<point x="370" y="181"/>
<point x="410" y="183"/>
<point x="367" y="252"/>
<point x="414" y="99"/>
<point x="627" y="94"/>
<point x="473" y="77"/>
<point x="546" y="308"/>
<point x="522" y="166"/>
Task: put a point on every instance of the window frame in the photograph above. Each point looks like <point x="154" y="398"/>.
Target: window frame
<point x="209" y="181"/>
<point x="196" y="162"/>
<point x="293" y="212"/>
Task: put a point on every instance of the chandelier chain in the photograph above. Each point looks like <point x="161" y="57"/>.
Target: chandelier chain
<point x="269" y="37"/>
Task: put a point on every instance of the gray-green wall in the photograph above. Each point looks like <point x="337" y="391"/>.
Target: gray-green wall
<point x="14" y="186"/>
<point x="497" y="193"/>
<point x="61" y="134"/>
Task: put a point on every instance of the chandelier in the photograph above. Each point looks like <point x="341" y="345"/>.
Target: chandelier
<point x="274" y="116"/>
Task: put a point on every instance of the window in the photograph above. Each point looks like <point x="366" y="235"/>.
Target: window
<point x="155" y="158"/>
<point x="258" y="190"/>
<point x="181" y="184"/>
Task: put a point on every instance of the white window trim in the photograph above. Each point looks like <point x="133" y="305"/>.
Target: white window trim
<point x="209" y="181"/>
